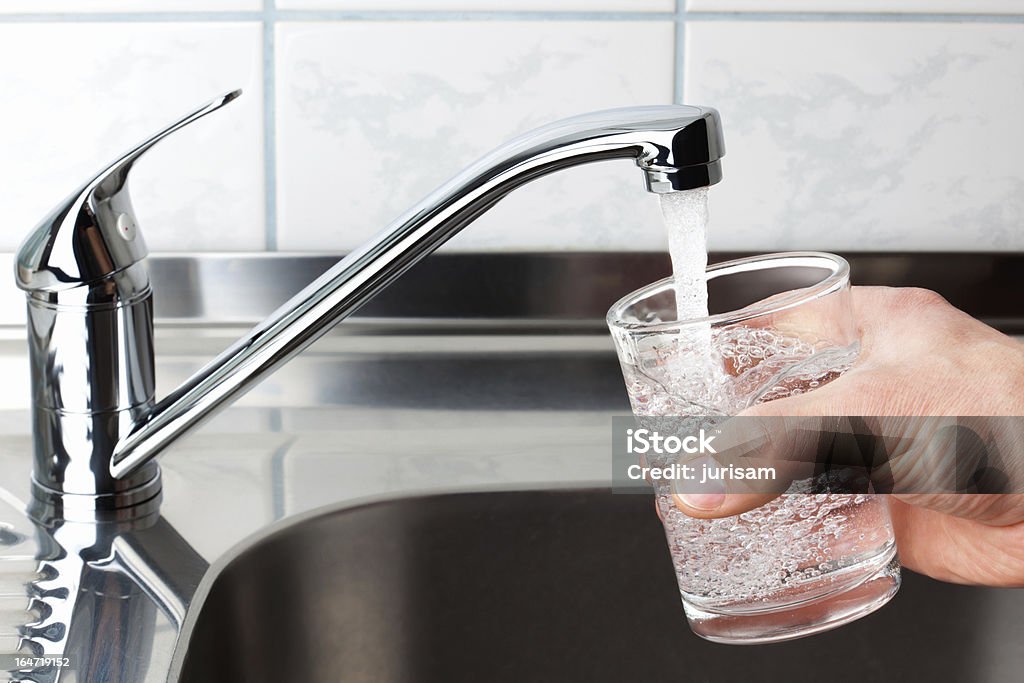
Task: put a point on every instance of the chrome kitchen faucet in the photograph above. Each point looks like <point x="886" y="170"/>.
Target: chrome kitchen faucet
<point x="96" y="421"/>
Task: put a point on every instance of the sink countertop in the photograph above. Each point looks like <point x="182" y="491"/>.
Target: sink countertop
<point x="326" y="429"/>
<point x="342" y="424"/>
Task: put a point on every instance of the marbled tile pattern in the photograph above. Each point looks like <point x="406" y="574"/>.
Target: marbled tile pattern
<point x="864" y="136"/>
<point x="371" y="116"/>
<point x="844" y="131"/>
<point x="76" y="96"/>
<point x="918" y="6"/>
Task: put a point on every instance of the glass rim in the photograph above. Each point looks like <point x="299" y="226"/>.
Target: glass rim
<point x="833" y="282"/>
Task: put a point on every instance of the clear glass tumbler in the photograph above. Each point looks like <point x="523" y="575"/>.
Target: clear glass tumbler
<point x="807" y="561"/>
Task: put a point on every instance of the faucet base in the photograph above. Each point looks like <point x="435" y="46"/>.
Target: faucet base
<point x="48" y="503"/>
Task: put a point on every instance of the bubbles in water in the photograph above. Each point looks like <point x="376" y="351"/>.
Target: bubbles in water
<point x="799" y="537"/>
<point x="773" y="548"/>
<point x="740" y="367"/>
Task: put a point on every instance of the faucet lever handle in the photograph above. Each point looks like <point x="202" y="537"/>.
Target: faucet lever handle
<point x="93" y="233"/>
<point x="112" y="179"/>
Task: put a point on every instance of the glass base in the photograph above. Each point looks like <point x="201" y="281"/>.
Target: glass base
<point x="800" y="620"/>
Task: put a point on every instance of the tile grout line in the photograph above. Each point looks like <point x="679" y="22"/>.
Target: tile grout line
<point x="329" y="15"/>
<point x="679" y="51"/>
<point x="853" y="17"/>
<point x="269" y="126"/>
<point x="469" y="15"/>
<point x="438" y="15"/>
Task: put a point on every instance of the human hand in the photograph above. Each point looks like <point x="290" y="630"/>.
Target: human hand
<point x="922" y="357"/>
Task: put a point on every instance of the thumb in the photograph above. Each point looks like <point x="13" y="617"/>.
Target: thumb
<point x="780" y="439"/>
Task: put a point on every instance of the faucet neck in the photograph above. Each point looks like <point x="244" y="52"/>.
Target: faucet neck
<point x="677" y="147"/>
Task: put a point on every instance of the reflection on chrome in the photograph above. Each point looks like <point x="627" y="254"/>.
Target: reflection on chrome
<point x="105" y="591"/>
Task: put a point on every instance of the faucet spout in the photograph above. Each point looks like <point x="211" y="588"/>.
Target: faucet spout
<point x="678" y="148"/>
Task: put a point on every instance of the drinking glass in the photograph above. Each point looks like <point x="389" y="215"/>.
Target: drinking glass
<point x="807" y="561"/>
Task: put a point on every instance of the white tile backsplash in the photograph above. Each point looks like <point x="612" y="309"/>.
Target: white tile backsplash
<point x="883" y="134"/>
<point x="85" y="93"/>
<point x="919" y="6"/>
<point x="485" y="5"/>
<point x="864" y="136"/>
<point x="123" y="6"/>
<point x="373" y="115"/>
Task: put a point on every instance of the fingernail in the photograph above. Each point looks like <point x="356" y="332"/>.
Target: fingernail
<point x="698" y="492"/>
<point x="702" y="501"/>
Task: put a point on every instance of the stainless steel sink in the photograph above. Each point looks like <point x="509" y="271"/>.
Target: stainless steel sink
<point x="507" y="384"/>
<point x="571" y="585"/>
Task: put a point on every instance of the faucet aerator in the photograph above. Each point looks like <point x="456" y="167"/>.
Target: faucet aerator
<point x="665" y="180"/>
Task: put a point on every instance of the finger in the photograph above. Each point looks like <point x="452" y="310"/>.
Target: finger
<point x="770" y="475"/>
<point x="715" y="505"/>
<point x="784" y="432"/>
<point x="778" y="442"/>
<point x="890" y="320"/>
<point x="955" y="549"/>
<point x="989" y="509"/>
<point x="712" y="491"/>
<point x="814" y="322"/>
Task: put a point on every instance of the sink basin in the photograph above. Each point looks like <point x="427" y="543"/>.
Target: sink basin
<point x="570" y="585"/>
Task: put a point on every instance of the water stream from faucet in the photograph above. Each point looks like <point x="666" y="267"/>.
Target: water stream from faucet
<point x="686" y="221"/>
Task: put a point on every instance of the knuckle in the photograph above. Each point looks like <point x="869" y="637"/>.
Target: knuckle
<point x="914" y="298"/>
